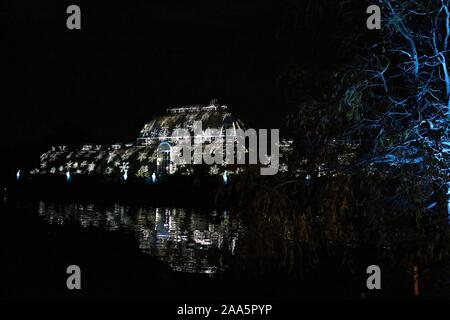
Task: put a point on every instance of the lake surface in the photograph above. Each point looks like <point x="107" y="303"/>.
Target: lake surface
<point x="151" y="252"/>
<point x="188" y="240"/>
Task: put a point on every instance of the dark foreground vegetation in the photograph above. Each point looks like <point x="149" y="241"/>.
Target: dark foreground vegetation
<point x="324" y="233"/>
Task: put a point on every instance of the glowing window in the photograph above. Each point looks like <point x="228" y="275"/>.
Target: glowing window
<point x="163" y="158"/>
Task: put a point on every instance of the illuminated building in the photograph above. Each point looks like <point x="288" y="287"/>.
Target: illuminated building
<point x="152" y="153"/>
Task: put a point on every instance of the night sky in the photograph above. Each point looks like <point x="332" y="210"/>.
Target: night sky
<point x="134" y="59"/>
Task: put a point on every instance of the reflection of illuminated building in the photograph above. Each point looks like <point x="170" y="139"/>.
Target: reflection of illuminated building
<point x="188" y="240"/>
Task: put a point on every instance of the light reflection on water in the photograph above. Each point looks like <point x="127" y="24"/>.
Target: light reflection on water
<point x="188" y="240"/>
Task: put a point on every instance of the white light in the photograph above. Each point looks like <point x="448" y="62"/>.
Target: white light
<point x="124" y="168"/>
<point x="225" y="178"/>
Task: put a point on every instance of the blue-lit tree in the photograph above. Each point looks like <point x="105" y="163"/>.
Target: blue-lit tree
<point x="401" y="92"/>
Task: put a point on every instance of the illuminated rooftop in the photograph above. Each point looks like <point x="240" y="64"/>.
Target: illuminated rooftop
<point x="211" y="116"/>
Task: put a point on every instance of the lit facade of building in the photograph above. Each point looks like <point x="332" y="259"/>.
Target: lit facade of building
<point x="152" y="153"/>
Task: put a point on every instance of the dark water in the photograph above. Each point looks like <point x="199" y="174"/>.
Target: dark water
<point x="125" y="251"/>
<point x="147" y="252"/>
<point x="188" y="240"/>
